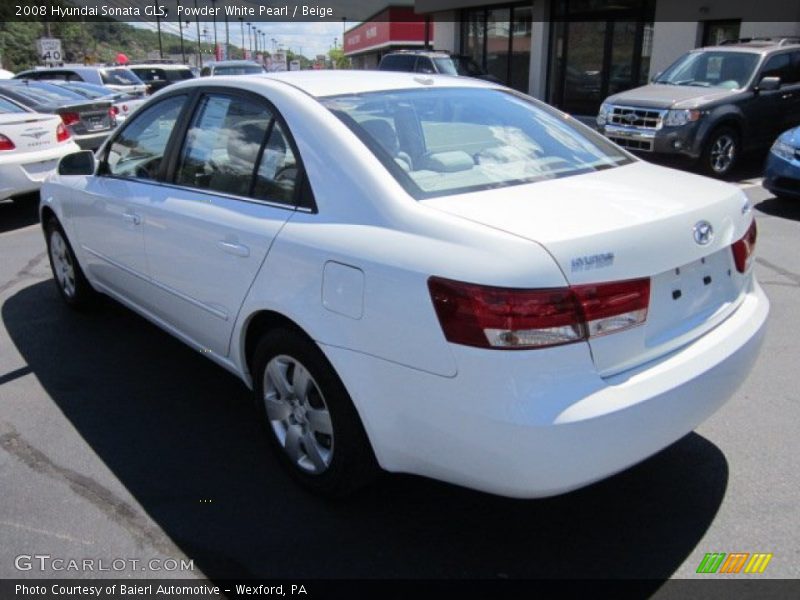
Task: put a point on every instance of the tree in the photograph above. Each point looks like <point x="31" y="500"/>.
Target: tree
<point x="338" y="59"/>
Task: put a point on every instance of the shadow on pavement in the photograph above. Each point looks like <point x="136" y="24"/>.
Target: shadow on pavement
<point x="785" y="209"/>
<point x="19" y="212"/>
<point x="175" y="430"/>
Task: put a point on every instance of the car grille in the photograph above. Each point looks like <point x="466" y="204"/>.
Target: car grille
<point x="632" y="144"/>
<point x="639" y="118"/>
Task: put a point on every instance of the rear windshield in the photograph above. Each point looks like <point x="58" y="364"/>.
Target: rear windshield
<point x="88" y="90"/>
<point x="444" y="141"/>
<point x="119" y="77"/>
<point x="238" y="70"/>
<point x="6" y="106"/>
<point x="44" y="93"/>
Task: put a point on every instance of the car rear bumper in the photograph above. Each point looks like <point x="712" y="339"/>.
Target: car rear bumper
<point x="539" y="423"/>
<point x="24" y="173"/>
<point x="91" y="141"/>
<point x="782" y="177"/>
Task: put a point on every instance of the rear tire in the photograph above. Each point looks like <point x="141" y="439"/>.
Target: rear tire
<point x="72" y="284"/>
<point x="721" y="153"/>
<point x="309" y="417"/>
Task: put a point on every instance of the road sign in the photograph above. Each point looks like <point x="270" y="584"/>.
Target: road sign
<point x="49" y="50"/>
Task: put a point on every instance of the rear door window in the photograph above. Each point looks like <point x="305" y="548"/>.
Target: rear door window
<point x="223" y="144"/>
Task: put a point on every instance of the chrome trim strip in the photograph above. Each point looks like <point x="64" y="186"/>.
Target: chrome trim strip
<point x="220" y="314"/>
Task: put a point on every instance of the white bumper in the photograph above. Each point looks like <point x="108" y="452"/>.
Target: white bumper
<point x="539" y="423"/>
<point x="25" y="172"/>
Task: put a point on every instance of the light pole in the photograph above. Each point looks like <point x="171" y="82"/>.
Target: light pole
<point x="197" y="24"/>
<point x="214" y="20"/>
<point x="180" y="33"/>
<point x="249" y="40"/>
<point x="158" y="26"/>
<point x="241" y="24"/>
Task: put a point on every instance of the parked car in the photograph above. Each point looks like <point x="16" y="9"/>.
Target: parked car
<point x="437" y="276"/>
<point x="30" y="146"/>
<point x="782" y="171"/>
<point x="123" y="105"/>
<point x="6" y="74"/>
<point x="157" y="76"/>
<point x="442" y="63"/>
<point x="119" y="79"/>
<point x="88" y="121"/>
<point x="231" y="67"/>
<point x="711" y="104"/>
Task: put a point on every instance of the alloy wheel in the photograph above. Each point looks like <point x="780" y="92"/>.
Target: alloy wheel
<point x="298" y="414"/>
<point x="63" y="267"/>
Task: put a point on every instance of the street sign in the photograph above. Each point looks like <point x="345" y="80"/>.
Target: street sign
<point x="49" y="50"/>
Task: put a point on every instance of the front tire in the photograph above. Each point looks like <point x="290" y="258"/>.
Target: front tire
<point x="721" y="152"/>
<point x="72" y="285"/>
<point x="309" y="417"/>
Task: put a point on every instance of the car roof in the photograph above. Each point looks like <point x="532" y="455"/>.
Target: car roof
<point x="158" y="66"/>
<point x="339" y="82"/>
<point x="433" y="53"/>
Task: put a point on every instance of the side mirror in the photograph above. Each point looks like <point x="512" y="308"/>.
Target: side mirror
<point x="768" y="84"/>
<point x="77" y="163"/>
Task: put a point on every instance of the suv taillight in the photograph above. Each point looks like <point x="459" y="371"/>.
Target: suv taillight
<point x="510" y="318"/>
<point x="743" y="249"/>
<point x="5" y="143"/>
<point x="62" y="133"/>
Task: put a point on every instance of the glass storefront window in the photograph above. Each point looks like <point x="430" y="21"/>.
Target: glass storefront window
<point x="498" y="39"/>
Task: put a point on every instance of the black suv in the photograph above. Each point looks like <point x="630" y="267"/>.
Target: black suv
<point x="431" y="62"/>
<point x="711" y="104"/>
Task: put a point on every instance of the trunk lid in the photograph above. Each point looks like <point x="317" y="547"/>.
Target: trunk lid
<point x="30" y="131"/>
<point x="624" y="223"/>
<point x="94" y="117"/>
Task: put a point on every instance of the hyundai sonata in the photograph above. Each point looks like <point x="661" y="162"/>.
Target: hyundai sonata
<point x="426" y="274"/>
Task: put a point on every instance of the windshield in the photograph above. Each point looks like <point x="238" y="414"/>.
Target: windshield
<point x="445" y="66"/>
<point x="438" y="142"/>
<point x="238" y="70"/>
<point x="718" y="68"/>
<point x="119" y="77"/>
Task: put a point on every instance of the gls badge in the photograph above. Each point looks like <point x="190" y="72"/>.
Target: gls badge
<point x="703" y="233"/>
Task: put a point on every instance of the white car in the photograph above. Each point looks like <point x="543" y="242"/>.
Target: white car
<point x="30" y="146"/>
<point x="428" y="274"/>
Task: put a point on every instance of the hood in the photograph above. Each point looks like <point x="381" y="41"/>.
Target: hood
<point x="670" y="96"/>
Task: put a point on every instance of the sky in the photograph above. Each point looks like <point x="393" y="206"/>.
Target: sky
<point x="307" y="38"/>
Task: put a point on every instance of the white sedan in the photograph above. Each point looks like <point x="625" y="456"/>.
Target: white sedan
<point x="30" y="146"/>
<point x="426" y="274"/>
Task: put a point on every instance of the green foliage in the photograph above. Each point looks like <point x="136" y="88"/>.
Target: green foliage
<point x="86" y="42"/>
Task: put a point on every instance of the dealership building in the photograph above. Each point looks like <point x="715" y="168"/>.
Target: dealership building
<point x="574" y="53"/>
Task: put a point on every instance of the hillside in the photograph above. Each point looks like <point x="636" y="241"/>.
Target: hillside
<point x="91" y="42"/>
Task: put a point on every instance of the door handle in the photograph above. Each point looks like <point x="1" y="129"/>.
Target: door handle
<point x="132" y="218"/>
<point x="234" y="248"/>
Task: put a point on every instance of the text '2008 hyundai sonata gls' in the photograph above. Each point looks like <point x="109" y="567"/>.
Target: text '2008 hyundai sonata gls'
<point x="425" y="274"/>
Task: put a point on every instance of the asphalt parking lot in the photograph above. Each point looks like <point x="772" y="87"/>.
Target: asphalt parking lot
<point x="119" y="442"/>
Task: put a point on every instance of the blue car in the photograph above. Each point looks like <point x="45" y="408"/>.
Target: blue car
<point x="782" y="172"/>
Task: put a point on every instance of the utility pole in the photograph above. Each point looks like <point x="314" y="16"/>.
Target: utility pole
<point x="158" y="27"/>
<point x="197" y="23"/>
<point x="227" y="39"/>
<point x="241" y="24"/>
<point x="180" y="33"/>
<point x="214" y="19"/>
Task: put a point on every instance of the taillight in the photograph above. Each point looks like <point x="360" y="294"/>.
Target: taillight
<point x="743" y="249"/>
<point x="5" y="143"/>
<point x="70" y="118"/>
<point x="62" y="134"/>
<point x="509" y="318"/>
<point x="113" y="112"/>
